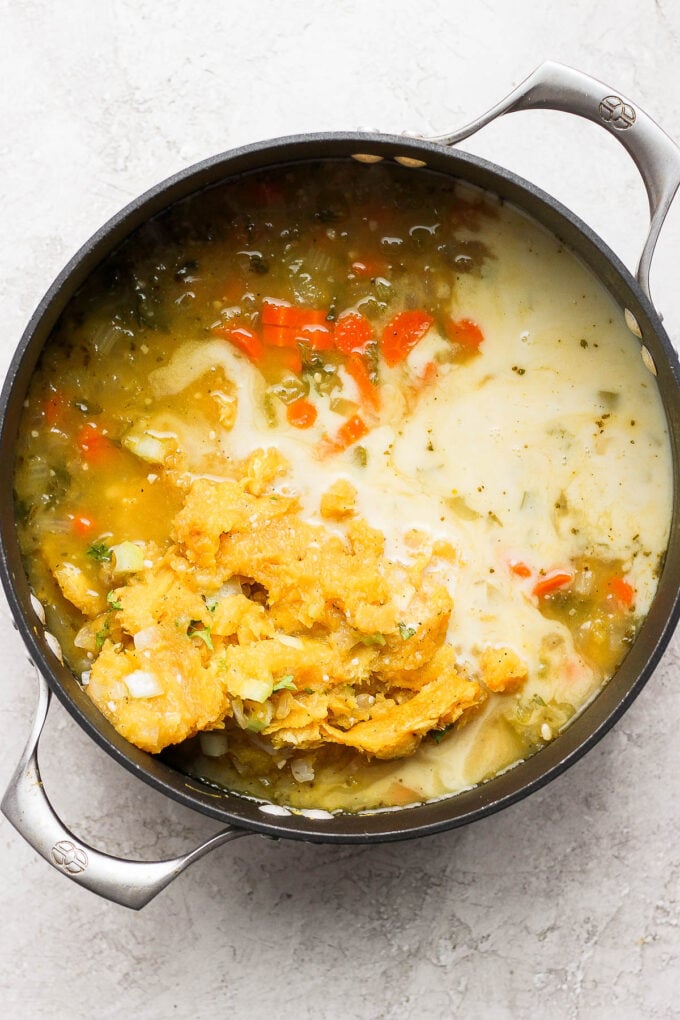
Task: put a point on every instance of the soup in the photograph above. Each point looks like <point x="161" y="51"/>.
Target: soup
<point x="343" y="486"/>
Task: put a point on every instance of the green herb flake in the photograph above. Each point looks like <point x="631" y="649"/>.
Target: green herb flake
<point x="113" y="601"/>
<point x="438" y="735"/>
<point x="100" y="552"/>
<point x="372" y="639"/>
<point x="101" y="635"/>
<point x="196" y="630"/>
<point x="405" y="631"/>
<point x="284" y="684"/>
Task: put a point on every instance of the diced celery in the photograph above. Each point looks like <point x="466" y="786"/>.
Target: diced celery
<point x="127" y="558"/>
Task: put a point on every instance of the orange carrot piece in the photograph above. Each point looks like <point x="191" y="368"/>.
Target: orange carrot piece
<point x="353" y="332"/>
<point x="622" y="590"/>
<point x="301" y="413"/>
<point x="551" y="582"/>
<point x="351" y="431"/>
<point x="95" y="447"/>
<point x="279" y="336"/>
<point x="465" y="333"/>
<point x="281" y="313"/>
<point x="402" y="333"/>
<point x="83" y="524"/>
<point x="519" y="568"/>
<point x="53" y="409"/>
<point x="318" y="335"/>
<point x="243" y="338"/>
<point x="356" y="368"/>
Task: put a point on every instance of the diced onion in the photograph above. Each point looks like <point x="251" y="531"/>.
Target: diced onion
<point x="146" y="447"/>
<point x="230" y="587"/>
<point x="214" y="743"/>
<point x="85" y="677"/>
<point x="86" y="638"/>
<point x="251" y="689"/>
<point x="127" y="558"/>
<point x="147" y="638"/>
<point x="289" y="640"/>
<point x="141" y="684"/>
<point x="302" y="771"/>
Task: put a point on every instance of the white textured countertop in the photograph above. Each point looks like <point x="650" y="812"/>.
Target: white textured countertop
<point x="565" y="905"/>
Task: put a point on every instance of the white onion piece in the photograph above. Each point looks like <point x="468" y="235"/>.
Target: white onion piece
<point x="289" y="641"/>
<point x="141" y="684"/>
<point x="147" y="638"/>
<point x="214" y="743"/>
<point x="302" y="771"/>
<point x="230" y="587"/>
<point x="147" y="447"/>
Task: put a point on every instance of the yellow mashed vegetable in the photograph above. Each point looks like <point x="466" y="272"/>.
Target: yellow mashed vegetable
<point x="327" y="657"/>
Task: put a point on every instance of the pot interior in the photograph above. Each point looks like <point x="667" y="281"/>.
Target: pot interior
<point x="405" y="822"/>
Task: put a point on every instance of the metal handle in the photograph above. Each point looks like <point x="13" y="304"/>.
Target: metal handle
<point x="555" y="86"/>
<point x="130" y="883"/>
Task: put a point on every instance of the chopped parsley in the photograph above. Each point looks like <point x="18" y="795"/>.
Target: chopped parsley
<point x="405" y="631"/>
<point x="285" y="684"/>
<point x="195" y="629"/>
<point x="438" y="735"/>
<point x="100" y="552"/>
<point x="101" y="635"/>
<point x="113" y="601"/>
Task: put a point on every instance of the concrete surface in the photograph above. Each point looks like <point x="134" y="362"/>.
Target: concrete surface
<point x="565" y="905"/>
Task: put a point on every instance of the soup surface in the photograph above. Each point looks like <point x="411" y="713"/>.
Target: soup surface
<point x="343" y="486"/>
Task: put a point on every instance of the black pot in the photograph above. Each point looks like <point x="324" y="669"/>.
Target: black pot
<point x="135" y="883"/>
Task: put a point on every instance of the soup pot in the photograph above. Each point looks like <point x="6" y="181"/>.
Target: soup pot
<point x="134" y="883"/>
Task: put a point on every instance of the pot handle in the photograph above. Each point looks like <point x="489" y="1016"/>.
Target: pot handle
<point x="131" y="883"/>
<point x="554" y="86"/>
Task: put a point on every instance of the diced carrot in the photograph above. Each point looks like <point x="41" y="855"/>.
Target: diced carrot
<point x="83" y="524"/>
<point x="95" y="447"/>
<point x="519" y="568"/>
<point x="301" y="413"/>
<point x="53" y="409"/>
<point x="465" y="333"/>
<point x="319" y="336"/>
<point x="551" y="582"/>
<point x="622" y="590"/>
<point x="279" y="336"/>
<point x="356" y="368"/>
<point x="281" y="313"/>
<point x="351" y="431"/>
<point x="368" y="269"/>
<point x="402" y="333"/>
<point x="353" y="332"/>
<point x="243" y="338"/>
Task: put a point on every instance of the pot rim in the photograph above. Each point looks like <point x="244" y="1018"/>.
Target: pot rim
<point x="526" y="776"/>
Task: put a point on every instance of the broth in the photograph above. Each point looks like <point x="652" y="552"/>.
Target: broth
<point x="442" y="396"/>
